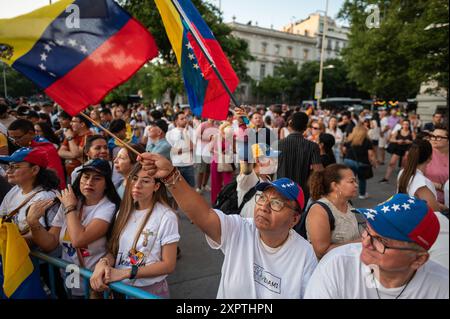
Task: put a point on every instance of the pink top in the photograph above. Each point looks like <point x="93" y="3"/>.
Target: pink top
<point x="437" y="171"/>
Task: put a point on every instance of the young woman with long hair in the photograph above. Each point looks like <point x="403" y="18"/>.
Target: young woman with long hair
<point x="83" y="220"/>
<point x="412" y="180"/>
<point x="143" y="246"/>
<point x="123" y="164"/>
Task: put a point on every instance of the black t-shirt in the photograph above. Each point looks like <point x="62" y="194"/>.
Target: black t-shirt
<point x="359" y="153"/>
<point x="326" y="160"/>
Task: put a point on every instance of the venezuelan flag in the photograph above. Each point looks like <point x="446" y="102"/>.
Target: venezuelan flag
<point x="76" y="50"/>
<point x="18" y="277"/>
<point x="206" y="94"/>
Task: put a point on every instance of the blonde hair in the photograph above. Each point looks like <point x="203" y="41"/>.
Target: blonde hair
<point x="359" y="134"/>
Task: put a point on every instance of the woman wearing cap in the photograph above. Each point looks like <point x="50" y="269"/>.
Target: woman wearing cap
<point x="332" y="189"/>
<point x="123" y="164"/>
<point x="83" y="219"/>
<point x="264" y="257"/>
<point x="33" y="182"/>
<point x="143" y="246"/>
<point x="392" y="262"/>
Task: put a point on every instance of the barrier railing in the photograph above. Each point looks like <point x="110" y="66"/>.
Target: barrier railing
<point x="119" y="287"/>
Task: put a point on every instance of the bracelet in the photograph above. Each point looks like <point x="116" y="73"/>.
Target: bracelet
<point x="69" y="210"/>
<point x="166" y="179"/>
<point x="105" y="260"/>
<point x="173" y="180"/>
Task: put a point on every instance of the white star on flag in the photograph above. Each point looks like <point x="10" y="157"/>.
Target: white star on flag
<point x="60" y="42"/>
<point x="189" y="46"/>
<point x="411" y="201"/>
<point x="52" y="74"/>
<point x="44" y="56"/>
<point x="395" y="207"/>
<point x="83" y="49"/>
<point x="406" y="206"/>
<point x="52" y="43"/>
<point x="284" y="186"/>
<point x="42" y="67"/>
<point x="369" y="216"/>
<point x="385" y="209"/>
<point x="47" y="48"/>
<point x="196" y="66"/>
<point x="191" y="57"/>
<point x="73" y="42"/>
<point x="373" y="211"/>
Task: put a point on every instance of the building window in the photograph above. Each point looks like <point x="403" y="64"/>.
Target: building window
<point x="338" y="46"/>
<point x="262" y="71"/>
<point x="289" y="52"/>
<point x="319" y="43"/>
<point x="306" y="33"/>
<point x="330" y="44"/>
<point x="277" y="49"/>
<point x="264" y="48"/>
<point x="305" y="54"/>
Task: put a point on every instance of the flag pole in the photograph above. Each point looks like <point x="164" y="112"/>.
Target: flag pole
<point x="196" y="36"/>
<point x="110" y="133"/>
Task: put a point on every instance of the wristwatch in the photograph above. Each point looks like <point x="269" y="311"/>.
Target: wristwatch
<point x="69" y="138"/>
<point x="134" y="271"/>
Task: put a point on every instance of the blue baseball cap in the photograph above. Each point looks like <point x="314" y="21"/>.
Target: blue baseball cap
<point x="404" y="218"/>
<point x="286" y="187"/>
<point x="98" y="165"/>
<point x="31" y="155"/>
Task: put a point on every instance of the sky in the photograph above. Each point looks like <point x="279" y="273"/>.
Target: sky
<point x="266" y="12"/>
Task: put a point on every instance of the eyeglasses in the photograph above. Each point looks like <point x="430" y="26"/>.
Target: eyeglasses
<point x="275" y="204"/>
<point x="316" y="128"/>
<point x="377" y="242"/>
<point x="15" y="139"/>
<point x="14" y="167"/>
<point x="437" y="137"/>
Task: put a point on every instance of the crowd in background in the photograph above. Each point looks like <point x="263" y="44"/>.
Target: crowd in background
<point x="78" y="193"/>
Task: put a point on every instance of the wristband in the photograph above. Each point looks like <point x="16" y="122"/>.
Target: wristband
<point x="69" y="210"/>
<point x="134" y="271"/>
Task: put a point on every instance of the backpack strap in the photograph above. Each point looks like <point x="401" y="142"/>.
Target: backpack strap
<point x="329" y="213"/>
<point x="249" y="195"/>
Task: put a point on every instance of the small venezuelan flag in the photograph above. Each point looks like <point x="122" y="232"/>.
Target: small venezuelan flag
<point x="207" y="96"/>
<point x="19" y="279"/>
<point x="76" y="50"/>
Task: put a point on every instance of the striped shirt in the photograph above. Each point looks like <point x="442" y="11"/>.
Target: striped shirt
<point x="295" y="160"/>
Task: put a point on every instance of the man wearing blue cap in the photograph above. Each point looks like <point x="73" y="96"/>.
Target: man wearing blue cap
<point x="392" y="262"/>
<point x="264" y="256"/>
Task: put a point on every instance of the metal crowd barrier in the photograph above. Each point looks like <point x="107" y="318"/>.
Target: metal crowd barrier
<point x="128" y="291"/>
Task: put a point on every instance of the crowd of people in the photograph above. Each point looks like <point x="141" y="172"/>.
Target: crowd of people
<point x="272" y="188"/>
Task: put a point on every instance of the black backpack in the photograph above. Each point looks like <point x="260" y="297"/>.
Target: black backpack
<point x="300" y="228"/>
<point x="227" y="200"/>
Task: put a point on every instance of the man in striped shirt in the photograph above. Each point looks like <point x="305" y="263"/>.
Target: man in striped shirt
<point x="298" y="156"/>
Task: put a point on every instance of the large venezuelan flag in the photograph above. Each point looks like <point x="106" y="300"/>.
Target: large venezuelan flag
<point x="76" y="64"/>
<point x="18" y="277"/>
<point x="207" y="96"/>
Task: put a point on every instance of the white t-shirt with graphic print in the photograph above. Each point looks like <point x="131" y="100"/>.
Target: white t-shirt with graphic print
<point x="161" y="229"/>
<point x="252" y="270"/>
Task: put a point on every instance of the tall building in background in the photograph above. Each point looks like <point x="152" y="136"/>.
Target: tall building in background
<point x="269" y="47"/>
<point x="336" y="36"/>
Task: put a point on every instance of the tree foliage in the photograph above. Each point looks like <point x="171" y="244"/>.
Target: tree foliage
<point x="393" y="60"/>
<point x="291" y="84"/>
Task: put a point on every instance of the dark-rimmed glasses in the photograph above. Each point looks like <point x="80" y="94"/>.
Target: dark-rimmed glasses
<point x="378" y="242"/>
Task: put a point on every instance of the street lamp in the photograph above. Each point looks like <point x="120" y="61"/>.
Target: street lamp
<point x="331" y="66"/>
<point x="319" y="85"/>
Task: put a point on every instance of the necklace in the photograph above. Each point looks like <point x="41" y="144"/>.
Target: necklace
<point x="404" y="288"/>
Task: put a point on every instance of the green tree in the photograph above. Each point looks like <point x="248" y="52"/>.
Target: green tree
<point x="16" y="83"/>
<point x="393" y="60"/>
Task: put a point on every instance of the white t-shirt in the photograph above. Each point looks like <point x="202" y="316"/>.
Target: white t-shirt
<point x="161" y="229"/>
<point x="439" y="252"/>
<point x="178" y="138"/>
<point x="341" y="275"/>
<point x="252" y="270"/>
<point x="14" y="198"/>
<point x="417" y="181"/>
